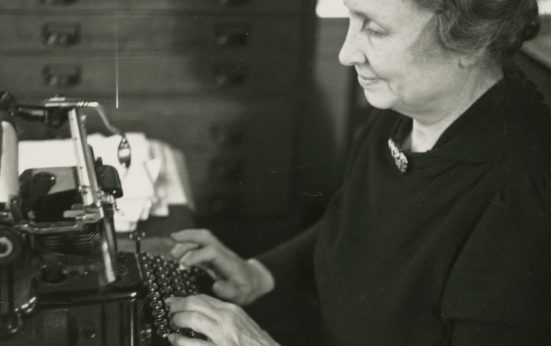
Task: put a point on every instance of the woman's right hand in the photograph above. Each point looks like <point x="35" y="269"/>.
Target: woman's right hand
<point x="236" y="280"/>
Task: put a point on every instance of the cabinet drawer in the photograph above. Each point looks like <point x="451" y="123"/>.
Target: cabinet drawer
<point x="39" y="32"/>
<point x="145" y="75"/>
<point x="261" y="185"/>
<point x="207" y="5"/>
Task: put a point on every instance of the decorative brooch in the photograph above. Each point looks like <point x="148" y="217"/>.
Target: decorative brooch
<point x="400" y="160"/>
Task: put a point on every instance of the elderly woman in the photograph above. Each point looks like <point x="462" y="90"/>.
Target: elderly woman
<point x="440" y="232"/>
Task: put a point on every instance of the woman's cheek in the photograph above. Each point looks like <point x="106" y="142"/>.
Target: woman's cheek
<point x="381" y="65"/>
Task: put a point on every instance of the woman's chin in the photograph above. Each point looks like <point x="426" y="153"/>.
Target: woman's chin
<point x="380" y="99"/>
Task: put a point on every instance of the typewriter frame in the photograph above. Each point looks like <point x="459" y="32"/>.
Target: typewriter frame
<point x="95" y="298"/>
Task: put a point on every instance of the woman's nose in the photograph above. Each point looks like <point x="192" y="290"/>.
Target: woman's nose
<point x="351" y="52"/>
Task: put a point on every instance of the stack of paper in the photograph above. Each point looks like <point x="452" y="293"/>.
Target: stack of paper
<point x="150" y="184"/>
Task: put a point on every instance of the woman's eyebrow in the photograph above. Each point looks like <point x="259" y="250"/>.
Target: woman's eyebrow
<point x="358" y="13"/>
<point x="364" y="15"/>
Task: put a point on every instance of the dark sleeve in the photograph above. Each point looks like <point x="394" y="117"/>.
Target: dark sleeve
<point x="291" y="263"/>
<point x="499" y="289"/>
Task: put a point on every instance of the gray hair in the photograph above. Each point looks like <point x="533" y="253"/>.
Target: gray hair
<point x="496" y="28"/>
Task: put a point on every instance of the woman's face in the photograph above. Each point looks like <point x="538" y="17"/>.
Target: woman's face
<point x="399" y="63"/>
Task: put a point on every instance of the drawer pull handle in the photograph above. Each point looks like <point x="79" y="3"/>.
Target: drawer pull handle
<point x="62" y="75"/>
<point x="60" y="34"/>
<point x="233" y="2"/>
<point x="228" y="74"/>
<point x="232" y="36"/>
<point x="57" y="2"/>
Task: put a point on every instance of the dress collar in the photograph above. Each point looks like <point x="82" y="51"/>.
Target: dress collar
<point x="509" y="119"/>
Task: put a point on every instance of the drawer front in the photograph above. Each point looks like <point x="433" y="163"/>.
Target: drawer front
<point x="145" y="75"/>
<point x="210" y="5"/>
<point x="39" y="32"/>
<point x="249" y="175"/>
<point x="262" y="190"/>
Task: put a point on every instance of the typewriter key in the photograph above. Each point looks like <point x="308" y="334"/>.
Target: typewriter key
<point x="165" y="278"/>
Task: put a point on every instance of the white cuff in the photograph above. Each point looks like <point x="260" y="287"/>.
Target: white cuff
<point x="266" y="282"/>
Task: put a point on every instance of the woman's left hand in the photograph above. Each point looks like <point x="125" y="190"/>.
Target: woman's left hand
<point x="225" y="324"/>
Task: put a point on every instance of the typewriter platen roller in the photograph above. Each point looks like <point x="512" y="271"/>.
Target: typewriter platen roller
<point x="62" y="280"/>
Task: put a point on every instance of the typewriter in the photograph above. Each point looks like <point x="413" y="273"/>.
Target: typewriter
<point x="62" y="279"/>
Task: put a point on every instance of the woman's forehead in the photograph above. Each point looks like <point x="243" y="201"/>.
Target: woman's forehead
<point x="385" y="11"/>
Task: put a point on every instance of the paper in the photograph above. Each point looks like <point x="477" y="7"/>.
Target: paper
<point x="150" y="184"/>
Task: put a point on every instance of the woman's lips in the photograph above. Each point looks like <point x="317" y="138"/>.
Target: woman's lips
<point x="367" y="81"/>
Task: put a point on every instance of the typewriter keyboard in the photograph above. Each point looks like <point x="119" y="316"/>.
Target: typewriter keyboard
<point x="163" y="279"/>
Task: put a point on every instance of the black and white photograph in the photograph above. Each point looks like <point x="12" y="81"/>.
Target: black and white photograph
<point x="275" y="172"/>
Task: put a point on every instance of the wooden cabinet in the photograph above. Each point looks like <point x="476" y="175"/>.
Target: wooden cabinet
<point x="174" y="31"/>
<point x="223" y="80"/>
<point x="196" y="6"/>
<point x="96" y="76"/>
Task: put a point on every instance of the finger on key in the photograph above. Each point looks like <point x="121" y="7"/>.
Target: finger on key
<point x="200" y="236"/>
<point x="180" y="249"/>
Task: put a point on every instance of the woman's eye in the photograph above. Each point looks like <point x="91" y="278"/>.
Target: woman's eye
<point x="375" y="31"/>
<point x="372" y="29"/>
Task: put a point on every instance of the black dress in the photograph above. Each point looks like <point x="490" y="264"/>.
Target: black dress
<point x="456" y="250"/>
